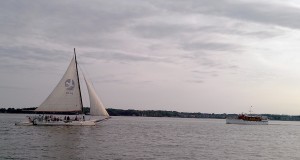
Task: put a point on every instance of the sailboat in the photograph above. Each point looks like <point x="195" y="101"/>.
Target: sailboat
<point x="66" y="98"/>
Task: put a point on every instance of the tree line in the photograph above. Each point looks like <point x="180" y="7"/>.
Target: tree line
<point x="158" y="113"/>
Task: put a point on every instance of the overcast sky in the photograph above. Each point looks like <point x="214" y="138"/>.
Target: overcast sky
<point x="214" y="56"/>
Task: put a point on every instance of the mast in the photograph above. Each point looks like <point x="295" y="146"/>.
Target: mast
<point x="78" y="82"/>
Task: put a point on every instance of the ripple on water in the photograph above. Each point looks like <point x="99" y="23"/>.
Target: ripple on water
<point x="136" y="138"/>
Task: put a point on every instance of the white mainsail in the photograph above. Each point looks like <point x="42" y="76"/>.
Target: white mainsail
<point x="66" y="95"/>
<point x="96" y="106"/>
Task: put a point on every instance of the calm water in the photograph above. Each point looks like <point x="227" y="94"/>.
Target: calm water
<point x="149" y="138"/>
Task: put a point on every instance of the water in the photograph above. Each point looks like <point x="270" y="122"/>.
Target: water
<point x="132" y="138"/>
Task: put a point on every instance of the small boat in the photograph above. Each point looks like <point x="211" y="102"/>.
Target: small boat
<point x="248" y="120"/>
<point x="66" y="98"/>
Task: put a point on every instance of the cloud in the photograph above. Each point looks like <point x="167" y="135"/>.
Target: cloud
<point x="13" y="87"/>
<point x="29" y="58"/>
<point x="195" y="81"/>
<point x="212" y="46"/>
<point x="279" y="13"/>
<point x="204" y="31"/>
<point x="120" y="56"/>
<point x="210" y="73"/>
<point x="160" y="30"/>
<point x="150" y="45"/>
<point x="240" y="29"/>
<point x="69" y="22"/>
<point x="30" y="53"/>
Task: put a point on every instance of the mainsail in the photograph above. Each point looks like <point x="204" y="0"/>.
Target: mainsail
<point x="96" y="106"/>
<point x="66" y="96"/>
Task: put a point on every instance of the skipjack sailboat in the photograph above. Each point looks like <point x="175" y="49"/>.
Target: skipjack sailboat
<point x="66" y="98"/>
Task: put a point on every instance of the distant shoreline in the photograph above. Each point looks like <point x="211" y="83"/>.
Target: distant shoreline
<point x="159" y="113"/>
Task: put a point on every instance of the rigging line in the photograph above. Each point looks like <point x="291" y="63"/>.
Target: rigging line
<point x="78" y="81"/>
<point x="85" y="93"/>
<point x="84" y="72"/>
<point x="85" y="75"/>
<point x="82" y="69"/>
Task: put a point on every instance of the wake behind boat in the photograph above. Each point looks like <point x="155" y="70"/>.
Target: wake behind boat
<point x="66" y="98"/>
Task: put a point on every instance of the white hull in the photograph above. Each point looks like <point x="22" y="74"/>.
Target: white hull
<point x="240" y="121"/>
<point x="40" y="121"/>
<point x="64" y="123"/>
<point x="57" y="123"/>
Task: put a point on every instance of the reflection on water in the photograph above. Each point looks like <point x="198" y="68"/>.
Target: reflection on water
<point x="149" y="138"/>
<point x="64" y="141"/>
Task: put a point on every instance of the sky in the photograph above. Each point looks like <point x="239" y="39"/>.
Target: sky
<point x="211" y="56"/>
